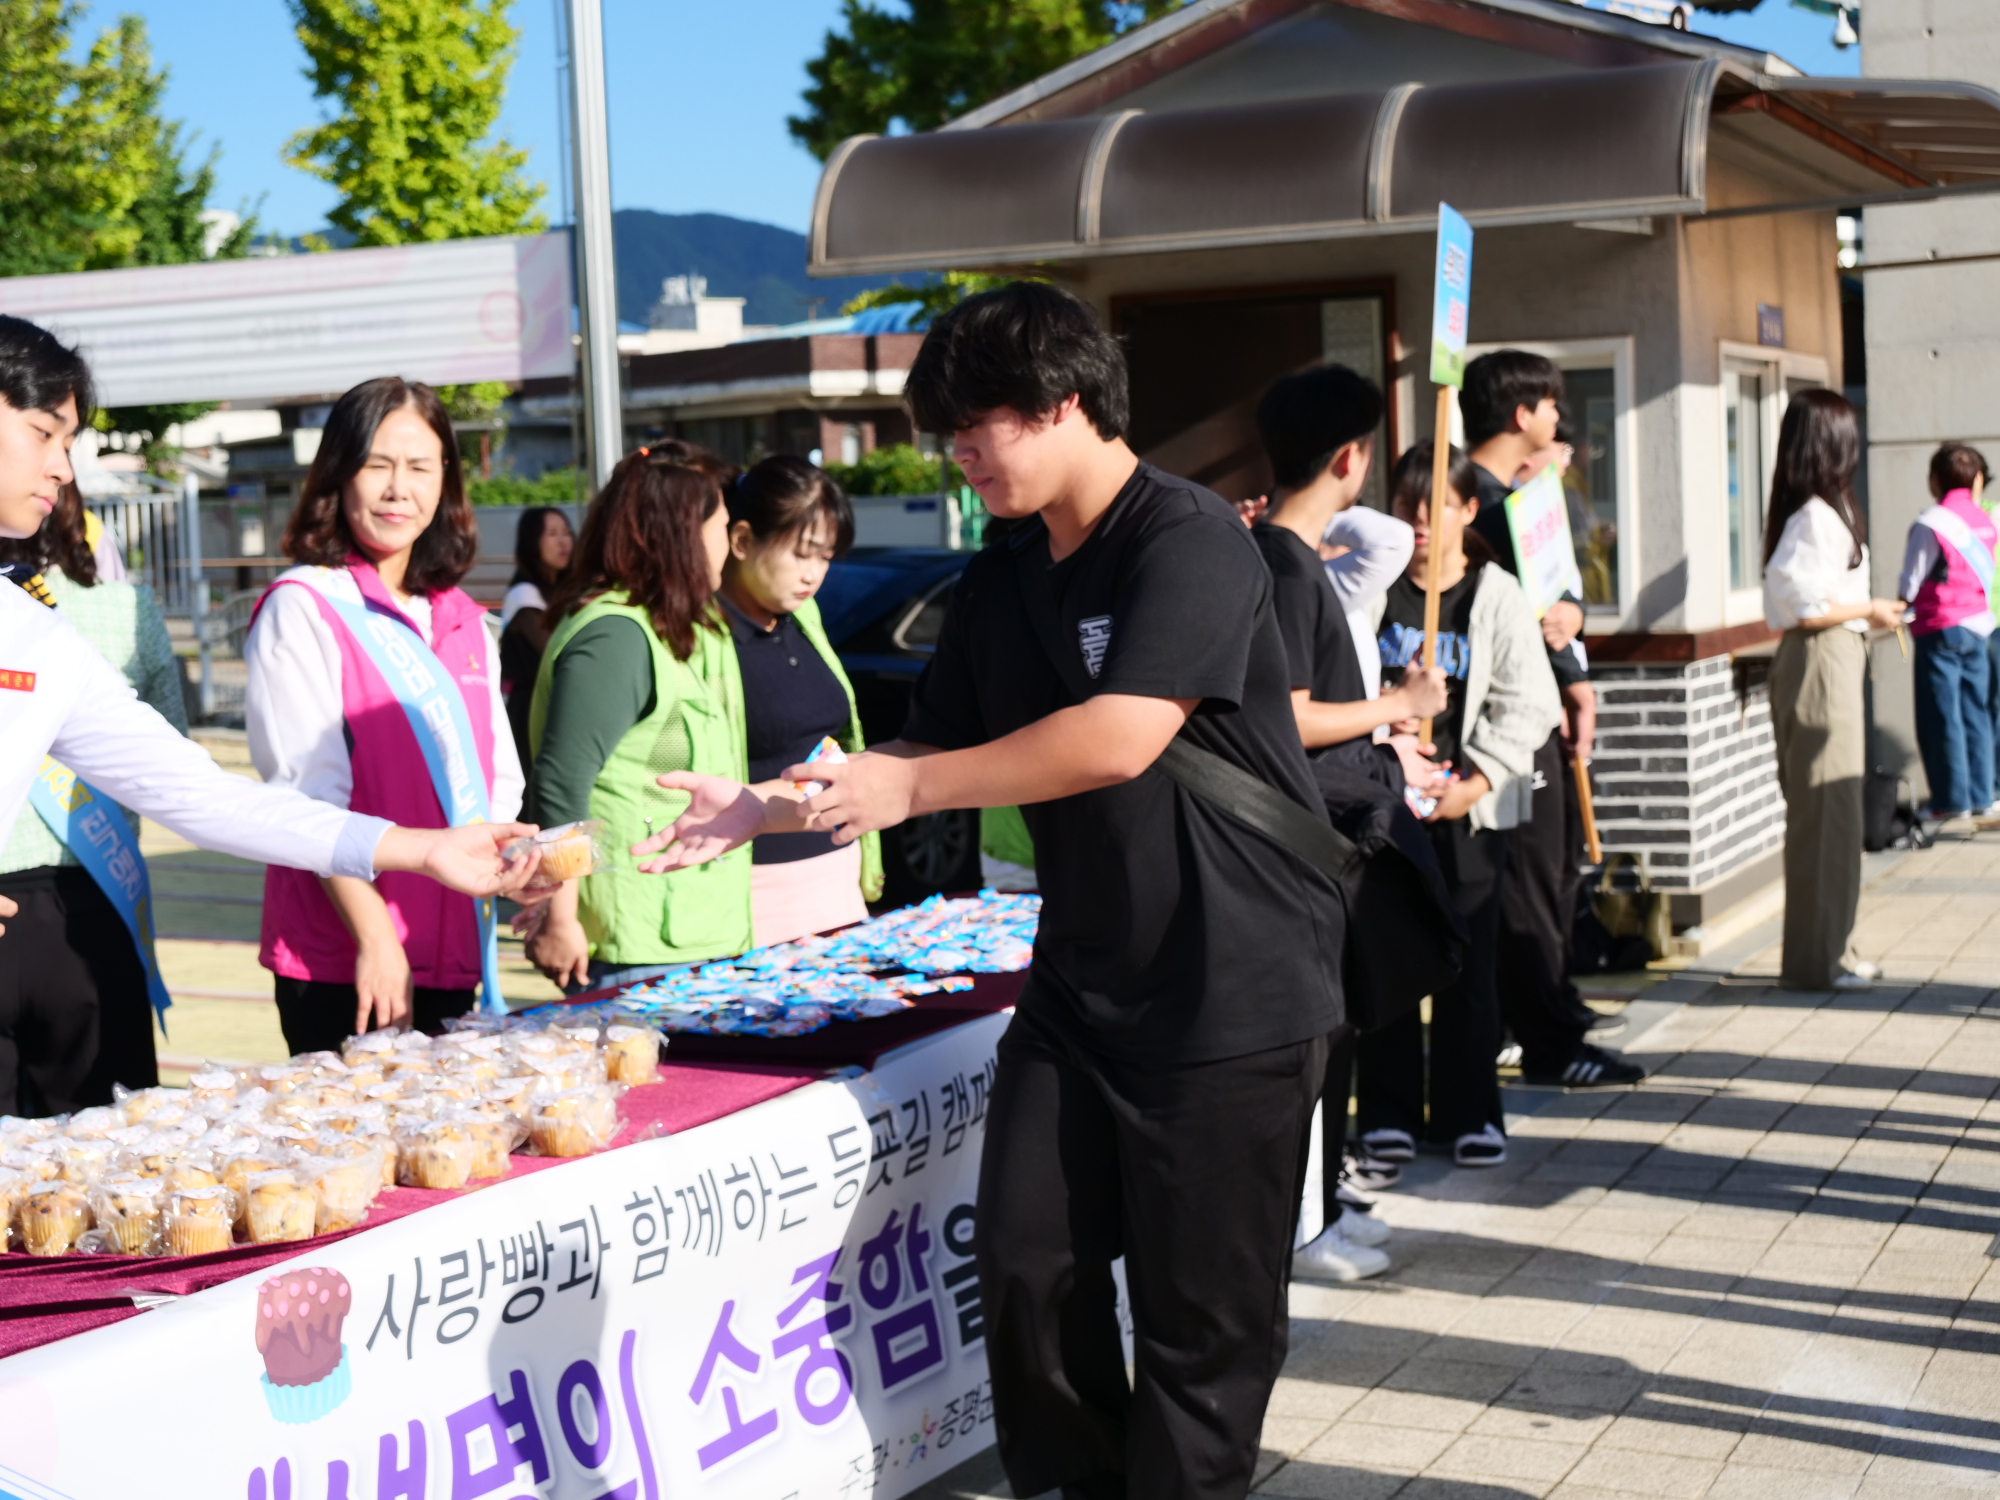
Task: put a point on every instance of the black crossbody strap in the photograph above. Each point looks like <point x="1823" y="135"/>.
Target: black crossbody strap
<point x="1260" y="807"/>
<point x="1254" y="803"/>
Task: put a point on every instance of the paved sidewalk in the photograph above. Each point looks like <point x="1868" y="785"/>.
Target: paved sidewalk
<point x="1766" y="1272"/>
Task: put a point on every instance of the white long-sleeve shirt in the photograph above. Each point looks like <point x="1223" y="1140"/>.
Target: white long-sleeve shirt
<point x="1809" y="573"/>
<point x="59" y="697"/>
<point x="1379" y="549"/>
<point x="293" y="707"/>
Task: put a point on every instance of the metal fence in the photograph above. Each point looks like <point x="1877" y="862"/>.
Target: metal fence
<point x="156" y="526"/>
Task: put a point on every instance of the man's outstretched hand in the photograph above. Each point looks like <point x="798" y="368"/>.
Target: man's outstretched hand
<point x="721" y="815"/>
<point x="465" y="859"/>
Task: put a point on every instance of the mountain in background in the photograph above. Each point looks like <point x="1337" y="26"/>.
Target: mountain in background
<point x="740" y="258"/>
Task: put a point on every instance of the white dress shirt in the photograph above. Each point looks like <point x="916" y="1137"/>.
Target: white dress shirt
<point x="294" y="711"/>
<point x="59" y="697"/>
<point x="1379" y="549"/>
<point x="1810" y="571"/>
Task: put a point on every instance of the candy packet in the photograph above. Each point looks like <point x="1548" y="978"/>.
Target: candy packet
<point x="828" y="751"/>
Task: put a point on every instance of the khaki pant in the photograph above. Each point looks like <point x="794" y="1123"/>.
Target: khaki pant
<point x="1818" y="720"/>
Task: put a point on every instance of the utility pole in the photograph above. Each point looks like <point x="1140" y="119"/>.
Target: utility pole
<point x="596" y="272"/>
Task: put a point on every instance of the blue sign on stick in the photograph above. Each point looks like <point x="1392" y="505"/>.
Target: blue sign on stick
<point x="1452" y="309"/>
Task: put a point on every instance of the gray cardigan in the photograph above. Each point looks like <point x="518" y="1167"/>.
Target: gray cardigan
<point x="1512" y="705"/>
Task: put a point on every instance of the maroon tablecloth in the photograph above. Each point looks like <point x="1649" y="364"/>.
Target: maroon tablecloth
<point x="45" y="1300"/>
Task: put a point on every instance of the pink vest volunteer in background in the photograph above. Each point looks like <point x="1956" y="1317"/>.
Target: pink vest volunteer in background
<point x="1966" y="536"/>
<point x="392" y="682"/>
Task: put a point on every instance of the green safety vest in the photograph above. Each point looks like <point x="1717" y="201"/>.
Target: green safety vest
<point x="696" y="724"/>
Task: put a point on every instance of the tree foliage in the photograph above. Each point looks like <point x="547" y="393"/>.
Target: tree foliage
<point x="895" y="469"/>
<point x="935" y="297"/>
<point x="932" y="60"/>
<point x="91" y="176"/>
<point x="418" y="85"/>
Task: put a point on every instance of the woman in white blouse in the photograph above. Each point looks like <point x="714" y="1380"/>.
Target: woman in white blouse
<point x="1816" y="591"/>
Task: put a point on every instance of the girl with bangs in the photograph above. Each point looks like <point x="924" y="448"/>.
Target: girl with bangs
<point x="382" y="535"/>
<point x="640" y="678"/>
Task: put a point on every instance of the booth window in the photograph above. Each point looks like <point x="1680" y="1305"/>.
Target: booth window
<point x="1743" y="416"/>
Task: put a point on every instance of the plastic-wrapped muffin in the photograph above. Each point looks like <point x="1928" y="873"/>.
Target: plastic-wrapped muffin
<point x="568" y="851"/>
<point x="198" y="1220"/>
<point x="439" y="1156"/>
<point x="632" y="1053"/>
<point x="279" y="1207"/>
<point x="51" y="1217"/>
<point x="127" y="1211"/>
<point x="348" y="1185"/>
<point x="575" y="1123"/>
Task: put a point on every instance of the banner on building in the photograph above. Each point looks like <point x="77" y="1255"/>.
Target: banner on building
<point x="780" y="1303"/>
<point x="299" y="325"/>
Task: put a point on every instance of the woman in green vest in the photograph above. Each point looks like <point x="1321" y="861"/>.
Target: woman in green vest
<point x="639" y="678"/>
<point x="787" y="521"/>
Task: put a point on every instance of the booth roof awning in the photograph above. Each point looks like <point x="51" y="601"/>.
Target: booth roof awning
<point x="1614" y="143"/>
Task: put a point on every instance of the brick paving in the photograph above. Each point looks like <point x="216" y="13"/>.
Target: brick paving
<point x="1766" y="1272"/>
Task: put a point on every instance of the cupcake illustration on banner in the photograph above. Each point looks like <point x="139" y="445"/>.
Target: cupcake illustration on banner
<point x="298" y="1332"/>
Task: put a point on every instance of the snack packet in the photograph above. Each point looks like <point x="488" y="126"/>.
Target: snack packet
<point x="829" y="752"/>
<point x="568" y="850"/>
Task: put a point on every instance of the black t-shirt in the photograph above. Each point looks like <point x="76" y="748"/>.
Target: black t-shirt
<point x="791" y="701"/>
<point x="1401" y="641"/>
<point x="1170" y="933"/>
<point x="1318" y="643"/>
<point x="1491" y="525"/>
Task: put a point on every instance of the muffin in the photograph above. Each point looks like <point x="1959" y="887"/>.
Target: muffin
<point x="211" y="1084"/>
<point x="347" y="1186"/>
<point x="299" y="1318"/>
<point x="279" y="1207"/>
<point x="198" y="1220"/>
<point x="236" y="1175"/>
<point x="496" y="1134"/>
<point x="574" y="1123"/>
<point x="631" y="1054"/>
<point x="441" y="1157"/>
<point x="51" y="1218"/>
<point x="127" y="1210"/>
<point x="189" y="1173"/>
<point x="567" y="851"/>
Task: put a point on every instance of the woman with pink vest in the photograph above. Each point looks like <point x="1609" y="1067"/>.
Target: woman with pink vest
<point x="382" y="534"/>
<point x="1948" y="579"/>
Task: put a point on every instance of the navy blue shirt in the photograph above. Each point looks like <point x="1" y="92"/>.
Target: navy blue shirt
<point x="791" y="701"/>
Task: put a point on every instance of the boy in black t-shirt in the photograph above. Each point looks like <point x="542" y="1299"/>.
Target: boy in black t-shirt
<point x="1511" y="416"/>
<point x="1318" y="429"/>
<point x="1156" y="1086"/>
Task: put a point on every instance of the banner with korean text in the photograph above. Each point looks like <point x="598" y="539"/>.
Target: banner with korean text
<point x="779" y="1303"/>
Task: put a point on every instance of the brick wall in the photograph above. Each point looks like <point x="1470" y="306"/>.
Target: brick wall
<point x="1684" y="773"/>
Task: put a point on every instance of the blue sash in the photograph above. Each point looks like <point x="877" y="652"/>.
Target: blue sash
<point x="1978" y="556"/>
<point x="91" y="826"/>
<point x="436" y="711"/>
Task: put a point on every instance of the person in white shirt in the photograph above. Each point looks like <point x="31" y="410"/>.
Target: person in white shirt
<point x="1816" y="592"/>
<point x="383" y="533"/>
<point x="59" y="698"/>
<point x="543" y="546"/>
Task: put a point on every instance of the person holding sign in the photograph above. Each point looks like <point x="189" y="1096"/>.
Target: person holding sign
<point x="1948" y="578"/>
<point x="1501" y="706"/>
<point x="368" y="668"/>
<point x="1512" y="419"/>
<point x="76" y="1017"/>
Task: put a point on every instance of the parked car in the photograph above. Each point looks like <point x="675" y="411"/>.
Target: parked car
<point x="883" y="607"/>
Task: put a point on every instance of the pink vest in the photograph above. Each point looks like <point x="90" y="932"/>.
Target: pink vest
<point x="1959" y="596"/>
<point x="303" y="936"/>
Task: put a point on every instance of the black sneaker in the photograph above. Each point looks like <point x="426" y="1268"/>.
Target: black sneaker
<point x="1591" y="1068"/>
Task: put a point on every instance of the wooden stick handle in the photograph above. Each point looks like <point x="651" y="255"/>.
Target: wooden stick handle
<point x="1440" y="474"/>
<point x="1582" y="773"/>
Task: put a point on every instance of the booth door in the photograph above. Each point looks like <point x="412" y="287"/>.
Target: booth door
<point x="1199" y="366"/>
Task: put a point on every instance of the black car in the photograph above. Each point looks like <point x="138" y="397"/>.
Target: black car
<point x="883" y="607"/>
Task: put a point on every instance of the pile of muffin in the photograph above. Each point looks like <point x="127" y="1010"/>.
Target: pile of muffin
<point x="300" y="1148"/>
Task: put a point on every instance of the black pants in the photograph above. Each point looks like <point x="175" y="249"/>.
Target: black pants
<point x="1537" y="909"/>
<point x="318" y="1017"/>
<point x="1465" y="1018"/>
<point x="1333" y="1102"/>
<point x="1193" y="1174"/>
<point x="74" y="1016"/>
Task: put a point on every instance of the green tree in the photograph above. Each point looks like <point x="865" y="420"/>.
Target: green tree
<point x="933" y="60"/>
<point x="418" y="84"/>
<point x="941" y="295"/>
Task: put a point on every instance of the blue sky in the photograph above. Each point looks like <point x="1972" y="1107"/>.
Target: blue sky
<point x="699" y="91"/>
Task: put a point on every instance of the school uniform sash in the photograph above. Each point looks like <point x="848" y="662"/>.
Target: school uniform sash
<point x="93" y="828"/>
<point x="1967" y="543"/>
<point x="436" y="711"/>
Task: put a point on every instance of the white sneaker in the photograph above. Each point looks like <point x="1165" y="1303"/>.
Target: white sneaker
<point x="1389" y="1145"/>
<point x="1362" y="1229"/>
<point x="1334" y="1257"/>
<point x="1486" y="1148"/>
<point x="1864" y="969"/>
<point x="1853" y="982"/>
